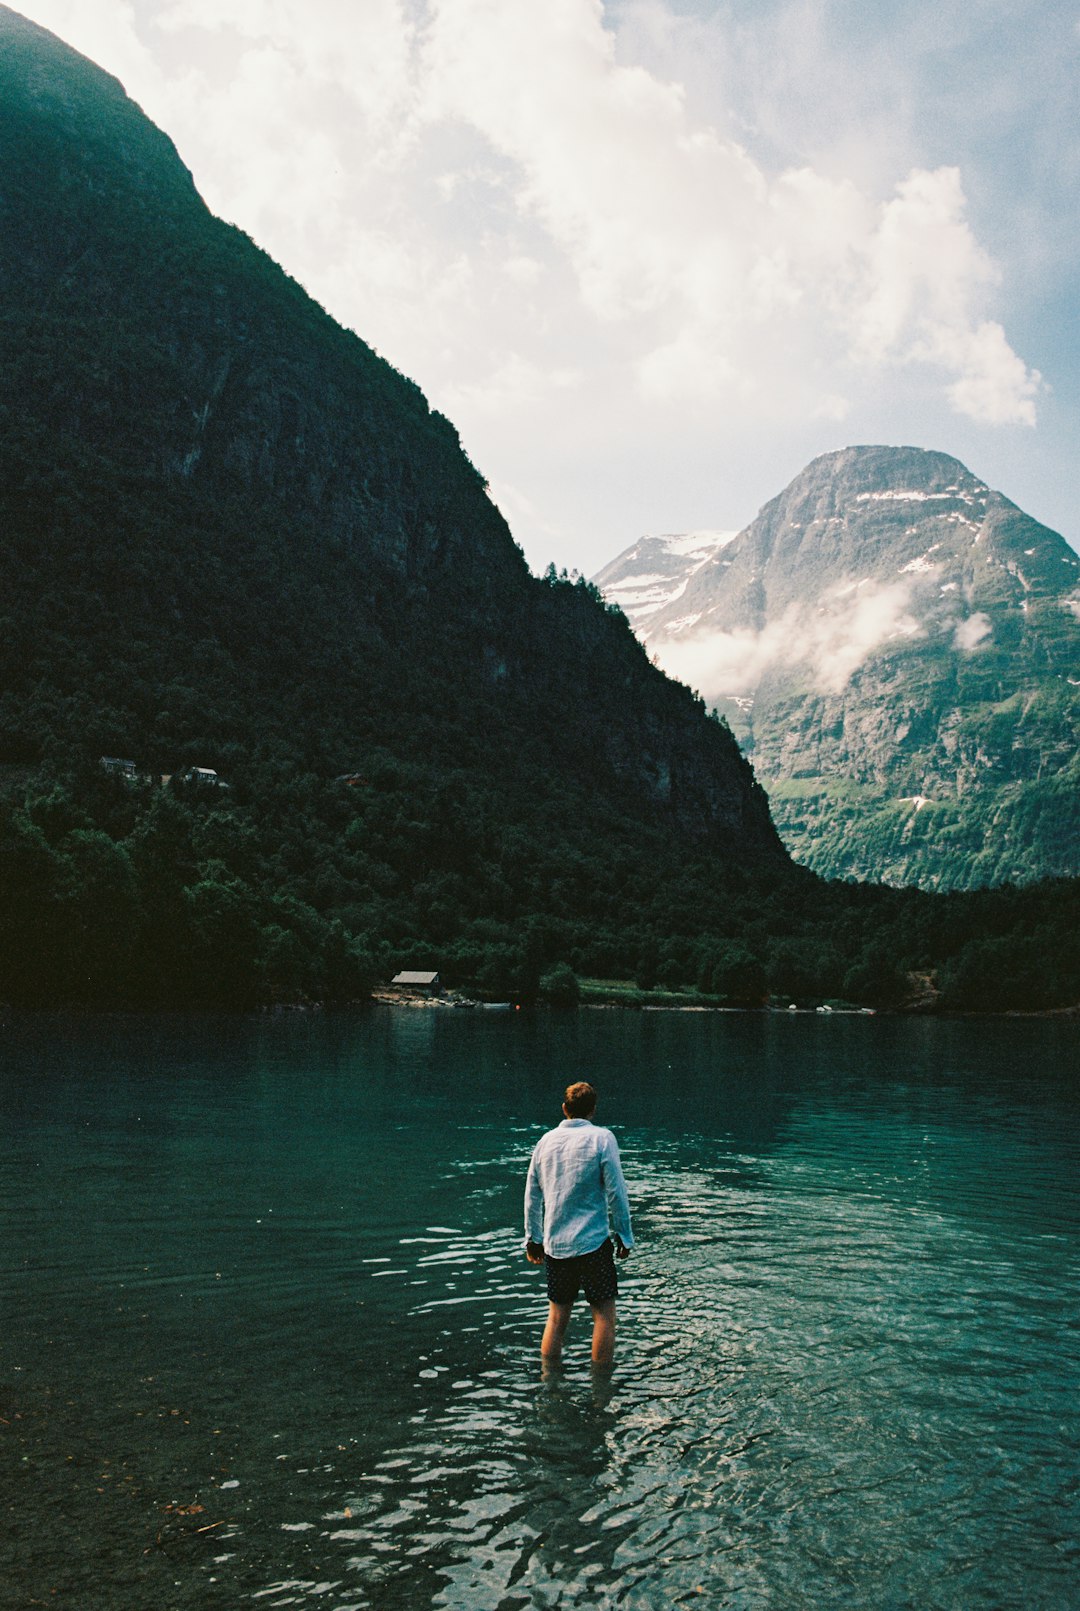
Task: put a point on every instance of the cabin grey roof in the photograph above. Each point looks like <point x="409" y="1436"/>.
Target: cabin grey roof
<point x="415" y="979"/>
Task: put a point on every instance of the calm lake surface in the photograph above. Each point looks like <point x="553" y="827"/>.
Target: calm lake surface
<point x="269" y="1340"/>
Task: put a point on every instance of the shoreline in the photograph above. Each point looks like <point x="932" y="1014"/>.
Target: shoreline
<point x="292" y="1009"/>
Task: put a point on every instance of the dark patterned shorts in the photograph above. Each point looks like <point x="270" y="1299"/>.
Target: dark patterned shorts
<point x="595" y="1272"/>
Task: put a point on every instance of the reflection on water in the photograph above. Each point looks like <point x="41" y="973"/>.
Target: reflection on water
<point x="271" y="1340"/>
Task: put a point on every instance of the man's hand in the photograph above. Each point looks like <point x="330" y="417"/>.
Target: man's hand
<point x="621" y="1250"/>
<point x="534" y="1252"/>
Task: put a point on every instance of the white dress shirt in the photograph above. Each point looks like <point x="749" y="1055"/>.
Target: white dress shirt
<point x="575" y="1194"/>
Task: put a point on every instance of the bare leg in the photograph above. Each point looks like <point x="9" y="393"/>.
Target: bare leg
<point x="557" y="1321"/>
<point x="603" y="1333"/>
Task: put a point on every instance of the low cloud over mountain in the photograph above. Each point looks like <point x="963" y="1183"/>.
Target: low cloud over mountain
<point x="891" y="623"/>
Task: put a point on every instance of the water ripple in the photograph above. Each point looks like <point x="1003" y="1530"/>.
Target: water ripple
<point x="294" y="1364"/>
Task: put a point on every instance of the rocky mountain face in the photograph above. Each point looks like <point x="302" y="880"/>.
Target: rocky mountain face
<point x="655" y="572"/>
<point x="898" y="648"/>
<point x="228" y="525"/>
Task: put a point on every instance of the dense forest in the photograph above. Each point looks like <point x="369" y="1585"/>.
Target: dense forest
<point x="290" y="885"/>
<point x="235" y="539"/>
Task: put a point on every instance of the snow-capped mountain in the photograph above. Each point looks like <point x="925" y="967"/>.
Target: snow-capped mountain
<point x="656" y="571"/>
<point x="898" y="647"/>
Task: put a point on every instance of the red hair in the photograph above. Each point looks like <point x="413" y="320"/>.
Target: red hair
<point x="580" y="1100"/>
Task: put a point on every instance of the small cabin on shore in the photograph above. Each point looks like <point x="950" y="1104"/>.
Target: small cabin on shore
<point x="417" y="984"/>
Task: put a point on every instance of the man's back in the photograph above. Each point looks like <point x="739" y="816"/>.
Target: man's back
<point x="575" y="1193"/>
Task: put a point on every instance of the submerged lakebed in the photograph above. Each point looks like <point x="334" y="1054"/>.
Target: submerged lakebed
<point x="270" y="1340"/>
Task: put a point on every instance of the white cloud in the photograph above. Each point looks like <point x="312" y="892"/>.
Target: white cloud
<point x="995" y="386"/>
<point x="675" y="229"/>
<point x="726" y="281"/>
<point x="363" y="49"/>
<point x="523" y="270"/>
<point x="922" y="264"/>
<point x="694" y="368"/>
<point x="514" y="383"/>
<point x="831" y="406"/>
<point x="596" y="147"/>
<point x="926" y="272"/>
<point x="971" y="632"/>
<point x="829" y="641"/>
<point x="516" y="507"/>
<point x="523" y="205"/>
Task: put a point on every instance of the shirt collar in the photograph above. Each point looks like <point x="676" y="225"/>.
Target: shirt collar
<point x="566" y="1122"/>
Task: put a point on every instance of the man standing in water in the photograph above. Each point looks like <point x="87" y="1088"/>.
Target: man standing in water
<point x="575" y="1208"/>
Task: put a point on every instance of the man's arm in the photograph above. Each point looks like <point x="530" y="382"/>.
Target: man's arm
<point x="534" y="1214"/>
<point x="618" y="1204"/>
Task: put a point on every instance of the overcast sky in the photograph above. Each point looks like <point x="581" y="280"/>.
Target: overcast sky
<point x="652" y="256"/>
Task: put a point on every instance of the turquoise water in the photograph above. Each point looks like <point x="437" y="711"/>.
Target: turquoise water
<point x="268" y="1339"/>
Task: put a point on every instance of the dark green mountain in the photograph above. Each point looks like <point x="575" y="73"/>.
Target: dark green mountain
<point x="898" y="648"/>
<point x="226" y="515"/>
<point x="236" y="540"/>
<point x="234" y="537"/>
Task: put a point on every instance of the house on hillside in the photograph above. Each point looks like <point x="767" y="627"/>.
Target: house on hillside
<point x="113" y="763"/>
<point x="203" y="774"/>
<point x="422" y="984"/>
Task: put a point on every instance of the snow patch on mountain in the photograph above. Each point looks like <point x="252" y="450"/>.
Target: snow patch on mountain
<point x="922" y="563"/>
<point x="698" y="544"/>
<point x="655" y="572"/>
<point x="914" y="495"/>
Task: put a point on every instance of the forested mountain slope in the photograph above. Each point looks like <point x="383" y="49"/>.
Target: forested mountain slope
<point x="229" y="517"/>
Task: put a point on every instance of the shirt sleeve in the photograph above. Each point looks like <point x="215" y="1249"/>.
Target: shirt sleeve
<point x="618" y="1204"/>
<point x="534" y="1203"/>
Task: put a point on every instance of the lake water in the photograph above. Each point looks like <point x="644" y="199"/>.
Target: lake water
<point x="269" y="1341"/>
